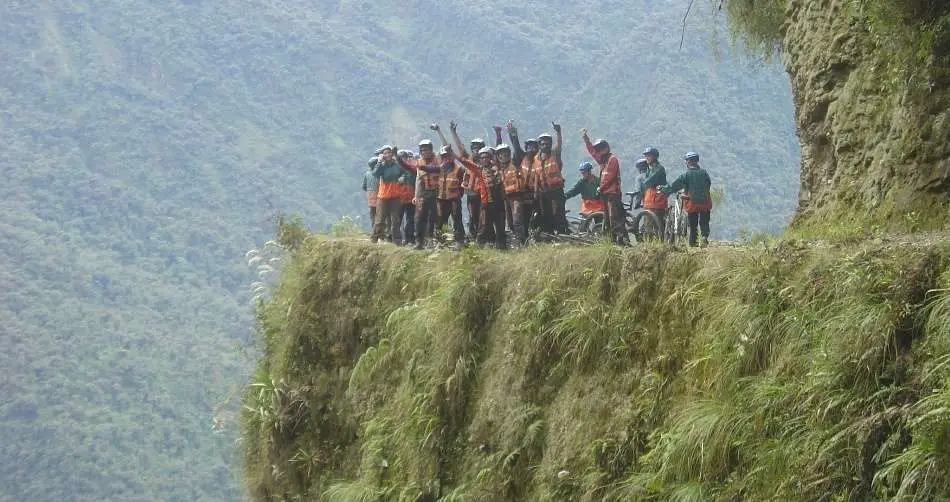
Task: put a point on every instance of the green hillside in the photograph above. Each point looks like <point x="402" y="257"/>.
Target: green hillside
<point x="145" y="147"/>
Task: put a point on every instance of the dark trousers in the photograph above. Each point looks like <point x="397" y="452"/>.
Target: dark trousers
<point x="426" y="214"/>
<point x="409" y="216"/>
<point x="474" y="202"/>
<point x="700" y="219"/>
<point x="560" y="213"/>
<point x="372" y="216"/>
<point x="492" y="224"/>
<point x="616" y="218"/>
<point x="453" y="208"/>
<point x="520" y="206"/>
<point x="388" y="220"/>
<point x="661" y="216"/>
<point x="509" y="214"/>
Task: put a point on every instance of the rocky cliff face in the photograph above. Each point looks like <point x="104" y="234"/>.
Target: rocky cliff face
<point x="872" y="100"/>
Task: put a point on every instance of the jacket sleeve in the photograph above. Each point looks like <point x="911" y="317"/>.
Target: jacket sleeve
<point x="590" y="148"/>
<point x="576" y="190"/>
<point x="609" y="176"/>
<point x="406" y="165"/>
<point x="518" y="153"/>
<point x="676" y="186"/>
<point x="364" y="182"/>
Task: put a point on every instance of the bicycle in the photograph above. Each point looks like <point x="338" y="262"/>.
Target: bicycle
<point x="676" y="219"/>
<point x="644" y="224"/>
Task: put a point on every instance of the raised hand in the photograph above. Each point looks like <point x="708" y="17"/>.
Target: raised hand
<point x="498" y="129"/>
<point x="556" y="126"/>
<point x="434" y="127"/>
<point x="453" y="126"/>
<point x="584" y="132"/>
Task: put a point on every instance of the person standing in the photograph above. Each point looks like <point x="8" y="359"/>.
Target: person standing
<point x="588" y="187"/>
<point x="450" y="195"/>
<point x="653" y="198"/>
<point x="425" y="191"/>
<point x="472" y="198"/>
<point x="696" y="182"/>
<point x="609" y="187"/>
<point x="389" y="197"/>
<point x="371" y="187"/>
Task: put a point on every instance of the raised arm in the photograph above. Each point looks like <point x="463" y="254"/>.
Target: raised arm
<point x="590" y="146"/>
<point x="463" y="153"/>
<point x="558" y="141"/>
<point x="406" y="165"/>
<point x="438" y="130"/>
<point x="517" y="152"/>
<point x="498" y="140"/>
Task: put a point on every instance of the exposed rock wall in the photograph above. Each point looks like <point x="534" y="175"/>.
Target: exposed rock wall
<point x="873" y="127"/>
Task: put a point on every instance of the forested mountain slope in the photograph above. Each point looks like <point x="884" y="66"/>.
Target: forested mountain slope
<point x="144" y="147"/>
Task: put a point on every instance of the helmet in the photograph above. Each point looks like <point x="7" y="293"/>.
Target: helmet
<point x="544" y="136"/>
<point x="691" y="156"/>
<point x="445" y="150"/>
<point x="489" y="150"/>
<point x="530" y="141"/>
<point x="385" y="147"/>
<point x="501" y="147"/>
<point x="586" y="167"/>
<point x="601" y="144"/>
<point x="479" y="141"/>
<point x="405" y="154"/>
<point x="379" y="150"/>
<point x="642" y="164"/>
<point x="652" y="152"/>
<point x="425" y="142"/>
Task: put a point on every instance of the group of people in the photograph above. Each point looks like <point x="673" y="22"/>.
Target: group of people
<point x="412" y="196"/>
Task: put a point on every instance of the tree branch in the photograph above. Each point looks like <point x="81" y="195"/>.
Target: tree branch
<point x="683" y="34"/>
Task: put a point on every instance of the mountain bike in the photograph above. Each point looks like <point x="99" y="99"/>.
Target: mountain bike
<point x="644" y="224"/>
<point x="676" y="219"/>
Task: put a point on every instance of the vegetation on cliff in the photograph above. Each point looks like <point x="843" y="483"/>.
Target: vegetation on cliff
<point x="775" y="371"/>
<point x="871" y="80"/>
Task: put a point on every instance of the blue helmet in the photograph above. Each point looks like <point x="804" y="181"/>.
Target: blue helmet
<point x="586" y="167"/>
<point x="642" y="164"/>
<point x="691" y="156"/>
<point x="653" y="152"/>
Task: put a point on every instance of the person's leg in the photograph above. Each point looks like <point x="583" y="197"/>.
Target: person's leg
<point x="509" y="215"/>
<point x="661" y="216"/>
<point x="693" y="219"/>
<point x="409" y="227"/>
<point x="617" y="219"/>
<point x="396" y="214"/>
<point x="499" y="220"/>
<point x="380" y="220"/>
<point x="457" y="228"/>
<point x="420" y="224"/>
<point x="560" y="213"/>
<point x="516" y="206"/>
<point x="704" y="226"/>
<point x="474" y="215"/>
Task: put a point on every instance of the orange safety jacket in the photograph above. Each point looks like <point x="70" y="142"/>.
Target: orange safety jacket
<point x="450" y="183"/>
<point x="428" y="180"/>
<point x="515" y="178"/>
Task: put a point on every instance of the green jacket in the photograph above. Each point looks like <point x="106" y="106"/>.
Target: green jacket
<point x="696" y="182"/>
<point x="656" y="176"/>
<point x="389" y="172"/>
<point x="587" y="189"/>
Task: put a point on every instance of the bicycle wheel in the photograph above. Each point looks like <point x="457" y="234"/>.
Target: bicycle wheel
<point x="646" y="226"/>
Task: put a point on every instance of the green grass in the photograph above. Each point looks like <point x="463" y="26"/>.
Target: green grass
<point x="765" y="372"/>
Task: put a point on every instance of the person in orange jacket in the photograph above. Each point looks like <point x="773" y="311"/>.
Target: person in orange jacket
<point x="428" y="169"/>
<point x="388" y="224"/>
<point x="588" y="187"/>
<point x="486" y="181"/>
<point x="609" y="186"/>
<point x="549" y="182"/>
<point x="653" y="198"/>
<point x="473" y="200"/>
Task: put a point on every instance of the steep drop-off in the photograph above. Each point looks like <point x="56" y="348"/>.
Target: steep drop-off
<point x="779" y="371"/>
<point x="871" y="81"/>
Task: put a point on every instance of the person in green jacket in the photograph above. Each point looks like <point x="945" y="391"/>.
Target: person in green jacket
<point x="696" y="182"/>
<point x="588" y="188"/>
<point x="371" y="187"/>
